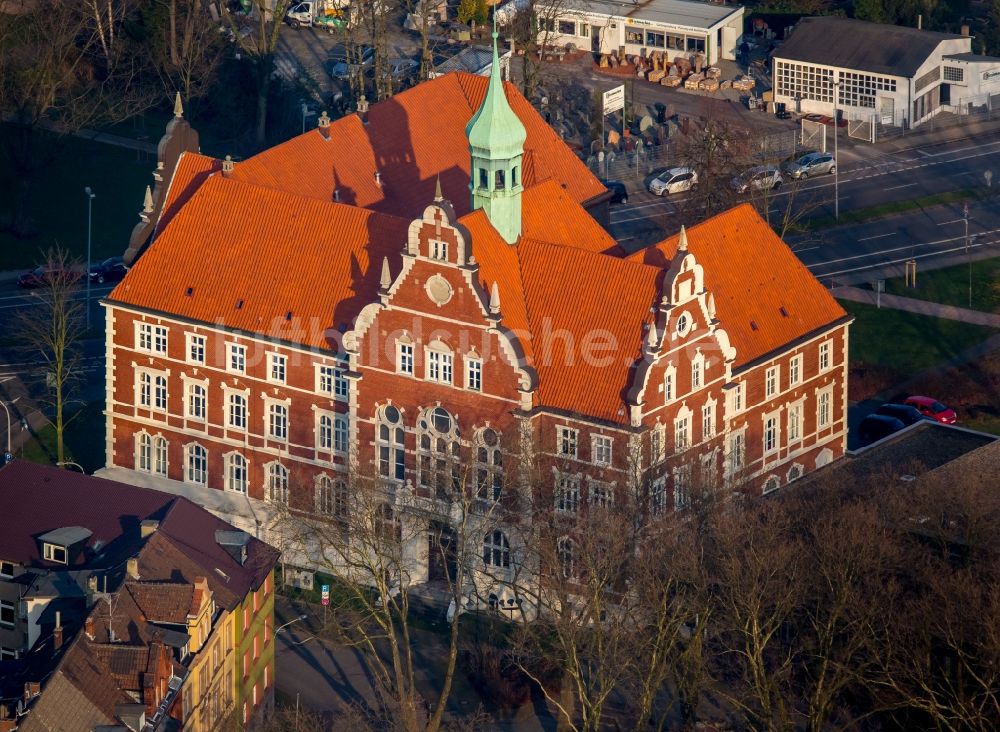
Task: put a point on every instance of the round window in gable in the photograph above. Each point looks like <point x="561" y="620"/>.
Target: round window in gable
<point x="683" y="324"/>
<point x="438" y="290"/>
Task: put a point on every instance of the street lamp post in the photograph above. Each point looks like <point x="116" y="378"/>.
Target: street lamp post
<point x="836" y="155"/>
<point x="90" y="205"/>
<point x="285" y="625"/>
<point x="4" y="405"/>
<point x="968" y="256"/>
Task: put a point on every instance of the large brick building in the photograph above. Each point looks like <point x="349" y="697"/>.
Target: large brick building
<point x="340" y="304"/>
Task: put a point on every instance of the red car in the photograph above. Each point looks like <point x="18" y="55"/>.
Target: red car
<point x="932" y="408"/>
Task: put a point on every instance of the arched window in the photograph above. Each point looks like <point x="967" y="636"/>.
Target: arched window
<point x="340" y="435"/>
<point x="566" y="554"/>
<point x="236" y="473"/>
<point x="391" y="456"/>
<point x="160" y="393"/>
<point x="489" y="465"/>
<point x="197" y="401"/>
<point x="277" y="483"/>
<point x="438" y="449"/>
<point x="145" y="390"/>
<point x="197" y="464"/>
<point x="496" y="550"/>
<point x="143" y="452"/>
<point x="772" y="484"/>
<point x="331" y="497"/>
<point x="324" y="432"/>
<point x="160" y="456"/>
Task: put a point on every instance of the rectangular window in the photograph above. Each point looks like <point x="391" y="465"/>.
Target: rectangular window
<point x="823" y="408"/>
<point x="668" y="386"/>
<point x="771" y="382"/>
<point x="237" y="358"/>
<point x="567" y="28"/>
<point x="795" y="371"/>
<point x="794" y="422"/>
<point x="160" y="393"/>
<point x="276" y="367"/>
<point x="600" y="448"/>
<point x="246" y="664"/>
<point x="682" y="487"/>
<point x="54" y="553"/>
<point x="439" y="367"/>
<point x="439" y="249"/>
<point x="404" y="358"/>
<point x="152" y="338"/>
<point x="567" y="442"/>
<point x="770" y="435"/>
<point x="256" y="647"/>
<point x="197" y="402"/>
<point x="824" y="355"/>
<point x="601" y="494"/>
<point x="696" y="374"/>
<point x="8" y="654"/>
<point x="656" y="444"/>
<point x="196" y="348"/>
<point x="656" y="40"/>
<point x="657" y="496"/>
<point x="954" y="73"/>
<point x="324" y="432"/>
<point x="246" y="618"/>
<point x="707" y="421"/>
<point x="277" y="421"/>
<point x="7" y="616"/>
<point x="6" y="569"/>
<point x="340" y="434"/>
<point x="682" y="434"/>
<point x="332" y="381"/>
<point x="474" y="374"/>
<point x="567" y="499"/>
<point x="737" y="397"/>
<point x="238" y="411"/>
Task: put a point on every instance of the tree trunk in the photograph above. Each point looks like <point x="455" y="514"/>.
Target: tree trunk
<point x="172" y="12"/>
<point x="266" y="64"/>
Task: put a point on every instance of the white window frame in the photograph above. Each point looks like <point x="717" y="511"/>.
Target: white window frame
<point x="682" y="487"/>
<point x="191" y="473"/>
<point x="824" y="407"/>
<point x="229" y="461"/>
<point x="404" y="358"/>
<point x="736" y="452"/>
<point x="143" y="452"/>
<point x="601" y="449"/>
<point x="151" y="338"/>
<point x="161" y="456"/>
<point x="276" y="480"/>
<point x="737" y="397"/>
<point x="771" y="434"/>
<point x="771" y="381"/>
<point x="228" y="406"/>
<point x="601" y="493"/>
<point x="658" y="496"/>
<point x="440" y="365"/>
<point x="708" y="420"/>
<point x="190" y="400"/>
<point x="236" y="358"/>
<point x="795" y="370"/>
<point x="669" y="383"/>
<point x="825" y="359"/>
<point x="657" y="443"/>
<point x="341" y="434"/>
<point x="567" y="442"/>
<point x="195" y="345"/>
<point x="7" y="605"/>
<point x="277" y="419"/>
<point x="697" y="372"/>
<point x="49" y="553"/>
<point x="795" y="421"/>
<point x="567" y="494"/>
<point x="473" y="373"/>
<point x="682" y="433"/>
<point x="277" y="368"/>
<point x="324" y="431"/>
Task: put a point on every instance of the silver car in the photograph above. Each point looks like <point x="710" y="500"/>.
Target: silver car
<point x="810" y="164"/>
<point x="674" y="180"/>
<point x="762" y="178"/>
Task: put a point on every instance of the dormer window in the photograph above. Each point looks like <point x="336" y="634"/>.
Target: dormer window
<point x="6" y="570"/>
<point x="54" y="553"/>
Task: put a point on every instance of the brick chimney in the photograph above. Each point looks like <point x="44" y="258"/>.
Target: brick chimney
<point x="147" y="528"/>
<point x="132" y="568"/>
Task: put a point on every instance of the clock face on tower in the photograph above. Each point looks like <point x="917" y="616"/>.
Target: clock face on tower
<point x="438" y="290"/>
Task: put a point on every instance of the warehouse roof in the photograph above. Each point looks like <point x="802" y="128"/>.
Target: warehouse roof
<point x="672" y="12"/>
<point x="856" y="44"/>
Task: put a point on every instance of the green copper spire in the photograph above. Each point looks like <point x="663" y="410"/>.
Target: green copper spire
<point x="496" y="145"/>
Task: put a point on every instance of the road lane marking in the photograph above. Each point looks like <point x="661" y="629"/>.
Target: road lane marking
<point x="953" y="221"/>
<point x="878" y="236"/>
<point x="905" y="185"/>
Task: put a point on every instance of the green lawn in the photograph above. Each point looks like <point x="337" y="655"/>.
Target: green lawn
<point x="84" y="440"/>
<point x="117" y="177"/>
<point x="906" y="342"/>
<point x="950" y="286"/>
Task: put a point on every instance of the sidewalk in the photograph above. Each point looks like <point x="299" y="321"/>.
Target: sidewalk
<point x="931" y="133"/>
<point x="920" y="307"/>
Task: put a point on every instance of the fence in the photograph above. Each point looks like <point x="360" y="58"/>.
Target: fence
<point x="813" y="135"/>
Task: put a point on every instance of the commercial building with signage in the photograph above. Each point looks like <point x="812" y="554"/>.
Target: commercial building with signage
<point x="673" y="27"/>
<point x="897" y="75"/>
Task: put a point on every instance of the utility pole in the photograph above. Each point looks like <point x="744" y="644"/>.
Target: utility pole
<point x="968" y="254"/>
<point x="836" y="155"/>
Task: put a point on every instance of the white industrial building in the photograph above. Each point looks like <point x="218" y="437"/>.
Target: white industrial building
<point x="894" y="75"/>
<point x="673" y="27"/>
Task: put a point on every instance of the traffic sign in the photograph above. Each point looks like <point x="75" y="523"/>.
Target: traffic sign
<point x="7" y="457"/>
<point x="614" y="99"/>
<point x="326" y="594"/>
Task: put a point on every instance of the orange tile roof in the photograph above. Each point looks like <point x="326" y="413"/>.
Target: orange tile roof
<point x="764" y="296"/>
<point x="191" y="171"/>
<point x="251" y="256"/>
<point x="410" y="139"/>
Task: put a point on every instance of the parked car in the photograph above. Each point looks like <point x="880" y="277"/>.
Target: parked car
<point x="932" y="408"/>
<point x="673" y="180"/>
<point x="903" y="412"/>
<point x="110" y="270"/>
<point x="761" y="178"/>
<point x="403" y="68"/>
<point x="343" y="63"/>
<point x="810" y="164"/>
<point x="619" y="194"/>
<point x="876" y="426"/>
<point x="42" y="276"/>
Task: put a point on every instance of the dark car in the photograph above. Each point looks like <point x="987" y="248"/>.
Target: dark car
<point x="618" y="192"/>
<point x="876" y="426"/>
<point x="112" y="269"/>
<point x="903" y="412"/>
<point x="42" y="276"/>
